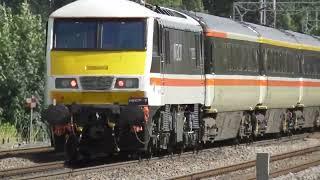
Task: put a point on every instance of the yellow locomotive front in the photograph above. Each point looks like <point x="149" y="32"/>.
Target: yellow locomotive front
<point x="97" y="67"/>
<point x="98" y="61"/>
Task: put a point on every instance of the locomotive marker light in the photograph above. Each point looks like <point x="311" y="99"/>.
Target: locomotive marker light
<point x="66" y="83"/>
<point x="120" y="83"/>
<point x="73" y="83"/>
<point x="31" y="103"/>
<point x="130" y="83"/>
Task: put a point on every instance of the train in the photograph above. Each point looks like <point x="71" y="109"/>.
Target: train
<point x="125" y="76"/>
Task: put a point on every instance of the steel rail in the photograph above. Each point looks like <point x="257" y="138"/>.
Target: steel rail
<point x="285" y="171"/>
<point x="296" y="168"/>
<point x="244" y="165"/>
<point x="26" y="151"/>
<point x="31" y="169"/>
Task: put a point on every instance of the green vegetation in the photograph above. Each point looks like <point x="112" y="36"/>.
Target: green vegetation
<point x="8" y="133"/>
<point x="22" y="54"/>
<point x="21" y="64"/>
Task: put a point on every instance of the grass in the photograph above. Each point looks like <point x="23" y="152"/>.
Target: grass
<point x="7" y="133"/>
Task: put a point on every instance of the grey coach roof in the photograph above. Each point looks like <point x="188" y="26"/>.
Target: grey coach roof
<point x="231" y="27"/>
<point x="274" y="34"/>
<point x="306" y="39"/>
<point x="225" y="25"/>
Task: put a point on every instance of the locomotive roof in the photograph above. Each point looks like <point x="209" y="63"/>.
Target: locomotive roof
<point x="184" y="22"/>
<point x="102" y="8"/>
<point x="124" y="9"/>
<point x="228" y="28"/>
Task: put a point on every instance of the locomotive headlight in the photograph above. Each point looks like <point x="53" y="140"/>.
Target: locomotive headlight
<point x="127" y="83"/>
<point x="66" y="83"/>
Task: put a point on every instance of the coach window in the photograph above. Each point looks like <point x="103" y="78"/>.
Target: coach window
<point x="236" y="58"/>
<point x="232" y="60"/>
<point x="220" y="56"/>
<point x="269" y="61"/>
<point x="255" y="57"/>
<point x="307" y="68"/>
<point x="228" y="59"/>
<point x="315" y="66"/>
<point x="283" y="68"/>
<point x="288" y="62"/>
<point x="293" y="62"/>
<point x="299" y="64"/>
<point x="277" y="61"/>
<point x="265" y="63"/>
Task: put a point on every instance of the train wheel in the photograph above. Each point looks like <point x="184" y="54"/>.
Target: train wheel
<point x="150" y="150"/>
<point x="58" y="143"/>
<point x="71" y="149"/>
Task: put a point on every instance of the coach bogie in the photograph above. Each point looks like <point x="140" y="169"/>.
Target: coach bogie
<point x="246" y="126"/>
<point x="260" y="123"/>
<point x="317" y="119"/>
<point x="209" y="129"/>
<point x="299" y="119"/>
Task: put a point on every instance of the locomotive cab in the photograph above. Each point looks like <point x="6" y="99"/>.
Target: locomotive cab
<point x="123" y="76"/>
<point x="98" y="59"/>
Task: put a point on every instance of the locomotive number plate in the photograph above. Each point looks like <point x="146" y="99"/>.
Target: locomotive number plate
<point x="138" y="101"/>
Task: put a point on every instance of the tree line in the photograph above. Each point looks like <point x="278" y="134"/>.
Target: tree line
<point x="22" y="51"/>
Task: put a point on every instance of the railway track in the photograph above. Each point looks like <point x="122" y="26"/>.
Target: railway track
<point x="14" y="152"/>
<point x="32" y="169"/>
<point x="58" y="169"/>
<point x="251" y="164"/>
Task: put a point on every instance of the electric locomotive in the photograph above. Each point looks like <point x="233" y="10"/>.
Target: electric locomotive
<point x="129" y="77"/>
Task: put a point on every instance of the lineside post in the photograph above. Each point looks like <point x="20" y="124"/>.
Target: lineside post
<point x="262" y="166"/>
<point x="31" y="103"/>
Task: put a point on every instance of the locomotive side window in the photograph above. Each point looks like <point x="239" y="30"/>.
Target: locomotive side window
<point x="177" y="52"/>
<point x="155" y="51"/>
<point x="155" y="65"/>
<point x="167" y="46"/>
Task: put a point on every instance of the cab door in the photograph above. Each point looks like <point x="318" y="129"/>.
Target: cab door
<point x="163" y="41"/>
